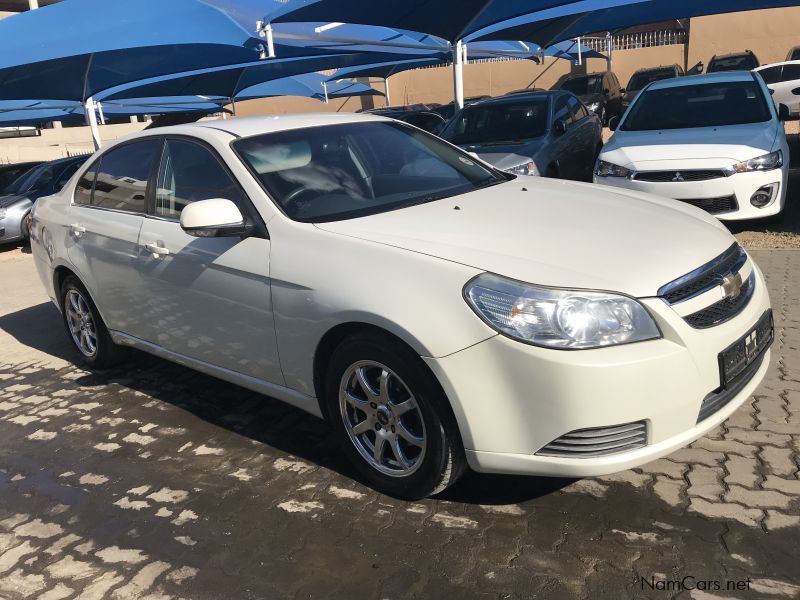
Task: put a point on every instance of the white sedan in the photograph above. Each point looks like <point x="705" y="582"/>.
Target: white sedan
<point x="438" y="313"/>
<point x="715" y="141"/>
<point x="783" y="81"/>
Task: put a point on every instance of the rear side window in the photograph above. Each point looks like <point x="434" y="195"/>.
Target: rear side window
<point x="790" y="73"/>
<point x="771" y="74"/>
<point x="122" y="175"/>
<point x="576" y="109"/>
<point x="561" y="110"/>
<point x="190" y="172"/>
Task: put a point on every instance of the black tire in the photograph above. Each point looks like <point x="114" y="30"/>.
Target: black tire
<point x="23" y="228"/>
<point x="442" y="461"/>
<point x="106" y="352"/>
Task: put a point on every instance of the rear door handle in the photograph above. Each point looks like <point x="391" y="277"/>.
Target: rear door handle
<point x="156" y="249"/>
<point x="77" y="230"/>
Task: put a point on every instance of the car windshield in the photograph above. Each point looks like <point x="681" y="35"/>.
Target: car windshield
<point x="338" y="172"/>
<point x="639" y="80"/>
<point x="741" y="62"/>
<point x="31" y="180"/>
<point x="10" y="175"/>
<point x="703" y="105"/>
<point x="498" y="123"/>
<point x="583" y="86"/>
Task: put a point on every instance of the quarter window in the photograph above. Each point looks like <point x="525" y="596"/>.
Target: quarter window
<point x="83" y="190"/>
<point x="576" y="109"/>
<point x="188" y="173"/>
<point x="121" y="182"/>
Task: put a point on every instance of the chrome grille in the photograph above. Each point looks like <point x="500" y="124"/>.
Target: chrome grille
<point x="724" y="310"/>
<point x="704" y="278"/>
<point x="598" y="441"/>
<point x="714" y="206"/>
<point x="679" y="176"/>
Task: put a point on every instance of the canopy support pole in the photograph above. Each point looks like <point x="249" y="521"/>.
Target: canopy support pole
<point x="91" y="121"/>
<point x="100" y="113"/>
<point x="386" y="91"/>
<point x="325" y="89"/>
<point x="610" y="39"/>
<point x="580" y="55"/>
<point x="458" y="75"/>
<point x="233" y="106"/>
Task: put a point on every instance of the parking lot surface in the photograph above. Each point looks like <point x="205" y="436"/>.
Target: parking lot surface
<point x="153" y="481"/>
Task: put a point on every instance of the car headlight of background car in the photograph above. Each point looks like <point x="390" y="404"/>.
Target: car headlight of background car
<point x="766" y="162"/>
<point x="594" y="106"/>
<point x="526" y="168"/>
<point x="556" y="318"/>
<point x="607" y="169"/>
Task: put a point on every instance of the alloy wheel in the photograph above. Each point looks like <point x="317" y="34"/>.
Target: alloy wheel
<point x="81" y="323"/>
<point x="382" y="418"/>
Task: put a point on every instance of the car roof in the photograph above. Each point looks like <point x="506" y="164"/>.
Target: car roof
<point x="733" y="55"/>
<point x="721" y="76"/>
<point x="519" y="96"/>
<point x="661" y="68"/>
<point x="777" y="64"/>
<point x="68" y="159"/>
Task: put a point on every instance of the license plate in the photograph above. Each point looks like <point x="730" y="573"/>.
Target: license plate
<point x="734" y="360"/>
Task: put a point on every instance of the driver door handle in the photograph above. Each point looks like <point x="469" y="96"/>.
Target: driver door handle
<point x="77" y="230"/>
<point x="156" y="249"/>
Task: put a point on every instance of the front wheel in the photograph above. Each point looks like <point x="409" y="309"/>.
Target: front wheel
<point x="85" y="327"/>
<point x="391" y="418"/>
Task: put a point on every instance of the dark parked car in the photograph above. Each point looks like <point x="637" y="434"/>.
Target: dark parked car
<point x="424" y="119"/>
<point x="448" y="110"/>
<point x="540" y="133"/>
<point x="600" y="92"/>
<point x="17" y="201"/>
<point x="737" y="61"/>
<point x="8" y="173"/>
<point x="644" y="76"/>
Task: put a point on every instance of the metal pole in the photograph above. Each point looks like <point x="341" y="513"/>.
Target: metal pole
<point x="580" y="55"/>
<point x="33" y="4"/>
<point x="233" y="106"/>
<point x="101" y="113"/>
<point x="325" y="89"/>
<point x="270" y="41"/>
<point x="610" y="49"/>
<point x="458" y="75"/>
<point x="91" y="120"/>
<point x="386" y="91"/>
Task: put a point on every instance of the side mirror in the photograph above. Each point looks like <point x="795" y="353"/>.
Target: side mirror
<point x="621" y="90"/>
<point x="785" y="113"/>
<point x="613" y="123"/>
<point x="560" y="126"/>
<point x="213" y="218"/>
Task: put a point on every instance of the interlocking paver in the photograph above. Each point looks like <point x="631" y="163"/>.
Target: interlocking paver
<point x="155" y="481"/>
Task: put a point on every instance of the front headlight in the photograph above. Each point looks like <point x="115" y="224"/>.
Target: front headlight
<point x="555" y="318"/>
<point x="607" y="169"/>
<point x="528" y="168"/>
<point x="766" y="162"/>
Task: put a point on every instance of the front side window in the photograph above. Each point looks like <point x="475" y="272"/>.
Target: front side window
<point x="704" y="105"/>
<point x="34" y="179"/>
<point x="122" y="176"/>
<point x="576" y="109"/>
<point x="66" y="174"/>
<point x="188" y="173"/>
<point x="337" y="172"/>
<point x="498" y="123"/>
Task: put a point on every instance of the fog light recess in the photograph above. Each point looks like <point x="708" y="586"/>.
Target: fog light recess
<point x="764" y="196"/>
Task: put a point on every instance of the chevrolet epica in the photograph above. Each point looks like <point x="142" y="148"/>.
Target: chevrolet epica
<point x="440" y="314"/>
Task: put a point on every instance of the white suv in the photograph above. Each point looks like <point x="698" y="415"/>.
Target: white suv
<point x="714" y="141"/>
<point x="437" y="312"/>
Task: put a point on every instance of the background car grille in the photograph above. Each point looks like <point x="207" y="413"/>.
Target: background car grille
<point x="723" y="310"/>
<point x="598" y="441"/>
<point x="714" y="205"/>
<point x="670" y="176"/>
<point x="704" y="278"/>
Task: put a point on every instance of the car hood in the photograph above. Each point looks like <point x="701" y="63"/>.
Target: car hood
<point x="505" y="156"/>
<point x="723" y="145"/>
<point x="555" y="233"/>
<point x="10" y="200"/>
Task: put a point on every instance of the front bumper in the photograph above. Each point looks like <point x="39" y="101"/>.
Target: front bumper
<point x="511" y="399"/>
<point x="11" y="224"/>
<point x="741" y="186"/>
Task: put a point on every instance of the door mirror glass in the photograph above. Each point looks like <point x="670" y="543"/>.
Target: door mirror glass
<point x="213" y="218"/>
<point x="613" y="123"/>
<point x="560" y="126"/>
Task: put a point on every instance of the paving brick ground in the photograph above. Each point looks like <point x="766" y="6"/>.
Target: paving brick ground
<point x="156" y="482"/>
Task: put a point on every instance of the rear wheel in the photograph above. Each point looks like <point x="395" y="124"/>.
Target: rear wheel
<point x="85" y="327"/>
<point x="392" y="418"/>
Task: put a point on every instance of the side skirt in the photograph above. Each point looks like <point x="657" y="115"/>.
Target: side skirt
<point x="297" y="399"/>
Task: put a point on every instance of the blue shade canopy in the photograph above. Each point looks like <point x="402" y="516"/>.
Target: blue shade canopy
<point x="73" y="50"/>
<point x="385" y="69"/>
<point x="357" y="38"/>
<point x="230" y="80"/>
<point x="568" y="49"/>
<point x="591" y="16"/>
<point x="451" y="20"/>
<point x="309" y="85"/>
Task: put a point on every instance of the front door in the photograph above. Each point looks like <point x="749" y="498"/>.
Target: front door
<point x="207" y="298"/>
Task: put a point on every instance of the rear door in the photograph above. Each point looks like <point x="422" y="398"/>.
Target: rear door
<point x="206" y="298"/>
<point x="106" y="216"/>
